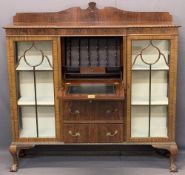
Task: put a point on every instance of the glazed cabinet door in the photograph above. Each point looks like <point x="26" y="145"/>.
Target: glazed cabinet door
<point x="34" y="76"/>
<point x="152" y="76"/>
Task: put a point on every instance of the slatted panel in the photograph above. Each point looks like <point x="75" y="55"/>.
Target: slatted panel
<point x="92" y="52"/>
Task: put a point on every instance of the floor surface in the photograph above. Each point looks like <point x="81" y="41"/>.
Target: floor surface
<point x="115" y="164"/>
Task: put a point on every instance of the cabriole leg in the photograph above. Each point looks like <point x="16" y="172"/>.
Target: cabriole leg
<point x="14" y="151"/>
<point x="173" y="149"/>
<point x="173" y="153"/>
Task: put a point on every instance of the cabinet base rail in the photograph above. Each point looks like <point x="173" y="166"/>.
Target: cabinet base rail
<point x="17" y="151"/>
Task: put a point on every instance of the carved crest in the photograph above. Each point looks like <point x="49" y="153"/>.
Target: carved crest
<point x="93" y="16"/>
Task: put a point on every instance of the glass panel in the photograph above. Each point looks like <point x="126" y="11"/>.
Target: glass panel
<point x="91" y="89"/>
<point x="140" y="121"/>
<point x="34" y="52"/>
<point x="44" y="88"/>
<point x="158" y="121"/>
<point x="158" y="51"/>
<point x="35" y="89"/>
<point x="149" y="88"/>
<point x="140" y="88"/>
<point x="28" y="124"/>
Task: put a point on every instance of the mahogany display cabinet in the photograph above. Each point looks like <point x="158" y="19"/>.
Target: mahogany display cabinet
<point x="92" y="76"/>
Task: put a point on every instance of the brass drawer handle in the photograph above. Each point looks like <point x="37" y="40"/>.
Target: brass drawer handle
<point x="75" y="112"/>
<point x="108" y="111"/>
<point x="109" y="134"/>
<point x="74" y="135"/>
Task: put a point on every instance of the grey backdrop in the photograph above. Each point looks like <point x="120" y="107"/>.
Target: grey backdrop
<point x="9" y="7"/>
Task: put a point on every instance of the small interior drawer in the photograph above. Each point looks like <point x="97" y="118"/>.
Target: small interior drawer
<point x="109" y="133"/>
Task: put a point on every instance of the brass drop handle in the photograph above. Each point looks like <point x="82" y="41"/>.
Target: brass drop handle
<point x="77" y="134"/>
<point x="75" y="112"/>
<point x="109" y="134"/>
<point x="108" y="111"/>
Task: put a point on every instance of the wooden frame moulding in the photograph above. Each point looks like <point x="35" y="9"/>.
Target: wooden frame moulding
<point x="172" y="89"/>
<point x="12" y="84"/>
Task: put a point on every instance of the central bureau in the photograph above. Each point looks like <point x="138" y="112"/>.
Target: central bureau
<point x="92" y="76"/>
<point x="92" y="92"/>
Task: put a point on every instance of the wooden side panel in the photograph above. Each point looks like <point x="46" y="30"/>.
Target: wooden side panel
<point x="172" y="82"/>
<point x="11" y="76"/>
<point x="128" y="87"/>
<point x="57" y="80"/>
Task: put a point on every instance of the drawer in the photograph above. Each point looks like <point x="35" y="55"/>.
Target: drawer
<point x="93" y="111"/>
<point x="109" y="133"/>
<point x="78" y="133"/>
<point x="93" y="133"/>
<point x="108" y="110"/>
<point x="77" y="110"/>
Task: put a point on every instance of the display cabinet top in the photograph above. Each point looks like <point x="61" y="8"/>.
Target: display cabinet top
<point x="92" y="17"/>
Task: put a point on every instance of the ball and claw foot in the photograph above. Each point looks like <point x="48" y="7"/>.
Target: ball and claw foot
<point x="13" y="168"/>
<point x="173" y="168"/>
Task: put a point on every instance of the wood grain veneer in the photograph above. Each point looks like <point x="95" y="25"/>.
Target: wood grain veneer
<point x="98" y="121"/>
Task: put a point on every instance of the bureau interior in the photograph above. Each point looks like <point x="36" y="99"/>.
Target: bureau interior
<point x="92" y="58"/>
<point x="92" y="65"/>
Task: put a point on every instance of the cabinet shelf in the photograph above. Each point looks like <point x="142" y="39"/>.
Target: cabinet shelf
<point x="27" y="68"/>
<point x="157" y="64"/>
<point x="26" y="101"/>
<point x="139" y="67"/>
<point x="46" y="132"/>
<point x="34" y="60"/>
<point x="154" y="101"/>
<point x="83" y="76"/>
